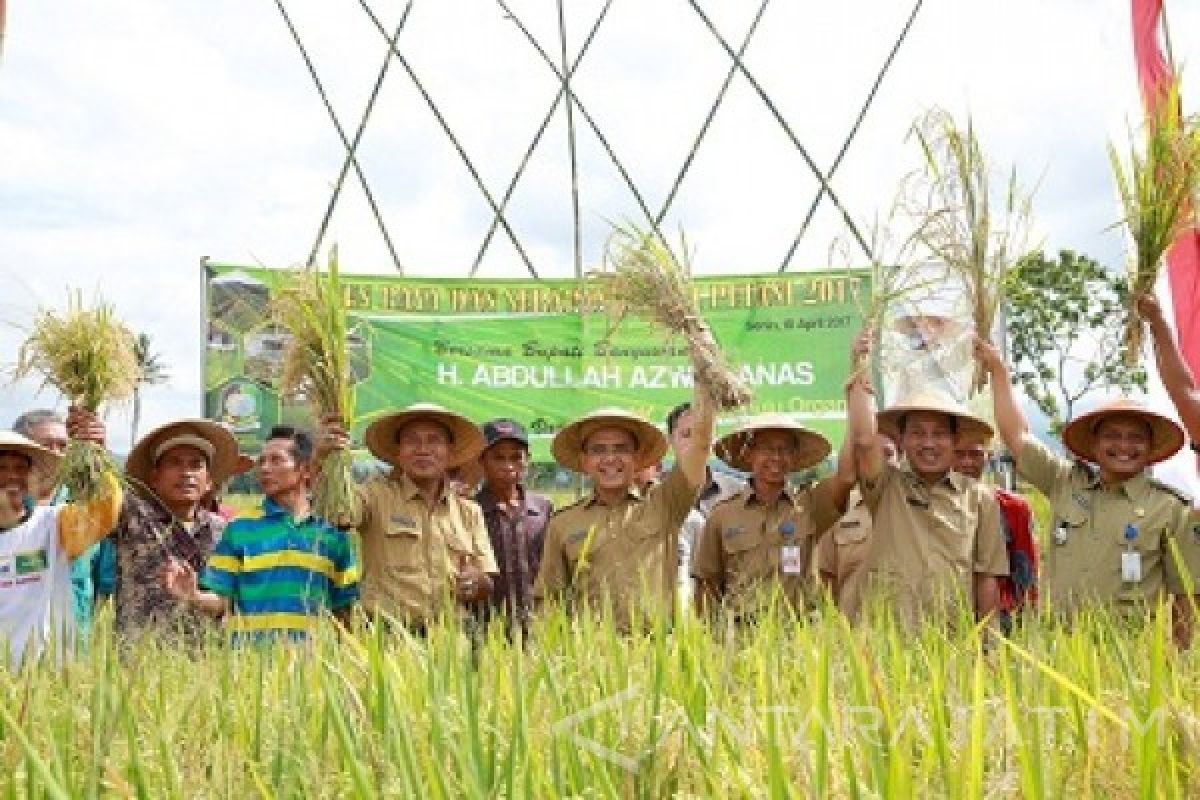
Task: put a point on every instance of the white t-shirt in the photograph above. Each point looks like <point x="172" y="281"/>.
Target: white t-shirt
<point x="35" y="587"/>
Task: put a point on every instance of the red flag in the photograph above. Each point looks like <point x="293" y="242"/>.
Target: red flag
<point x="1155" y="76"/>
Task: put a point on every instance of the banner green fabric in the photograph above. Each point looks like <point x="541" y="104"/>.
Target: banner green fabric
<point x="541" y="352"/>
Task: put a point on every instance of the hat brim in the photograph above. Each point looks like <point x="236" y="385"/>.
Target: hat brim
<point x="1166" y="436"/>
<point x="466" y="441"/>
<point x="811" y="447"/>
<point x="222" y="466"/>
<point x="888" y="420"/>
<point x="43" y="460"/>
<point x="567" y="446"/>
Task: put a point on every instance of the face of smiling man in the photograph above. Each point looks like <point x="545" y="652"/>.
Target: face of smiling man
<point x="15" y="471"/>
<point x="928" y="442"/>
<point x="1122" y="446"/>
<point x="609" y="459"/>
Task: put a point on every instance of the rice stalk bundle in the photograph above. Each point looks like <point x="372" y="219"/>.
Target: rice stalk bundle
<point x="896" y="274"/>
<point x="90" y="357"/>
<point x="317" y="366"/>
<point x="956" y="209"/>
<point x="1157" y="188"/>
<point x="647" y="278"/>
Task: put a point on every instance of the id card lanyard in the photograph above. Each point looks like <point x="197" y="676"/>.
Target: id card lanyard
<point x="790" y="560"/>
<point x="1131" y="559"/>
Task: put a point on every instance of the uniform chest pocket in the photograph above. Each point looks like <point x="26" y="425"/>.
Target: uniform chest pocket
<point x="742" y="550"/>
<point x="1069" y="524"/>
<point x="402" y="544"/>
<point x="580" y="543"/>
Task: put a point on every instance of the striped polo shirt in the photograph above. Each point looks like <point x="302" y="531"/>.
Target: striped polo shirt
<point x="281" y="573"/>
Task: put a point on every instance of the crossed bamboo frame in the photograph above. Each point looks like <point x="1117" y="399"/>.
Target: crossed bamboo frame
<point x="564" y="70"/>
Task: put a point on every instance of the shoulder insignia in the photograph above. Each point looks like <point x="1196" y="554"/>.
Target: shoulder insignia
<point x="1178" y="494"/>
<point x="724" y="501"/>
<point x="577" y="504"/>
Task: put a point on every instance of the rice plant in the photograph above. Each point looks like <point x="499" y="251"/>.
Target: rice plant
<point x="793" y="706"/>
<point x="1157" y="187"/>
<point x="89" y="356"/>
<point x="317" y="366"/>
<point x="645" y="276"/>
<point x="977" y="234"/>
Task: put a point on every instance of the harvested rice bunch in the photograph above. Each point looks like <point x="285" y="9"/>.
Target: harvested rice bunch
<point x="90" y="357"/>
<point x="317" y="367"/>
<point x="980" y="234"/>
<point x="647" y="278"/>
<point x="1157" y="187"/>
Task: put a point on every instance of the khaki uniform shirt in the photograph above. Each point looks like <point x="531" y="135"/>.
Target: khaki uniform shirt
<point x="938" y="538"/>
<point x="842" y="553"/>
<point x="411" y="551"/>
<point x="1082" y="559"/>
<point x="740" y="550"/>
<point x="622" y="555"/>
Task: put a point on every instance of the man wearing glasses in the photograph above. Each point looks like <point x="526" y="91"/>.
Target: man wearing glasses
<point x="615" y="551"/>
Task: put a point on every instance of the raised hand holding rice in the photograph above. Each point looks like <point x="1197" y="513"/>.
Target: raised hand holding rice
<point x="89" y="356"/>
<point x="647" y="278"/>
<point x="317" y="366"/>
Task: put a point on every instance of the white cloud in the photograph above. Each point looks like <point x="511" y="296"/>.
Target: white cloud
<point x="138" y="136"/>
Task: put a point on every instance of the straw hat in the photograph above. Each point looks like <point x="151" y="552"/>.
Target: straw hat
<point x="1166" y="437"/>
<point x="466" y="442"/>
<point x="43" y="460"/>
<point x="811" y="447"/>
<point x="567" y="446"/>
<point x="211" y="438"/>
<point x="936" y="402"/>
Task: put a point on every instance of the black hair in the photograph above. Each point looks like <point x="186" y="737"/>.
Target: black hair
<point x="302" y="441"/>
<point x="673" y="417"/>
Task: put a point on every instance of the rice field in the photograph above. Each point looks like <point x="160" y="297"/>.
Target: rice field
<point x="787" y="708"/>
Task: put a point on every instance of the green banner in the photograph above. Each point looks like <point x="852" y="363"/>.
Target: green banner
<point x="541" y="352"/>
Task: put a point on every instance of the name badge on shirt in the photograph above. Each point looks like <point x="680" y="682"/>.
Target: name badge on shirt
<point x="791" y="561"/>
<point x="1131" y="567"/>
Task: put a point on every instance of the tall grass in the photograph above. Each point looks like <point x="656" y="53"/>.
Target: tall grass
<point x="789" y="708"/>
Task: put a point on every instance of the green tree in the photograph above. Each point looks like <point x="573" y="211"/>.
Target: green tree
<point x="1065" y="322"/>
<point x="151" y="372"/>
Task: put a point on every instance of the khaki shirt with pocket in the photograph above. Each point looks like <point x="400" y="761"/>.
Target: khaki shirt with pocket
<point x="1082" y="560"/>
<point x="621" y="555"/>
<point x="412" y="552"/>
<point x="740" y="551"/>
<point x="939" y="537"/>
<point x="842" y="555"/>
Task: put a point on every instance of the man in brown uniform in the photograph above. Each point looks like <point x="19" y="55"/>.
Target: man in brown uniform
<point x="1114" y="527"/>
<point x="172" y="468"/>
<point x="422" y="542"/>
<point x="944" y="548"/>
<point x="762" y="539"/>
<point x="617" y="548"/>
<point x="842" y="550"/>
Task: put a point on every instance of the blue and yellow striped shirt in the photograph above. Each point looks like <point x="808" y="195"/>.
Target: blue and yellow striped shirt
<point x="281" y="573"/>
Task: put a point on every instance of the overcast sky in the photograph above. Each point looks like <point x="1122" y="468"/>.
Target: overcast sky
<point x="138" y="136"/>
